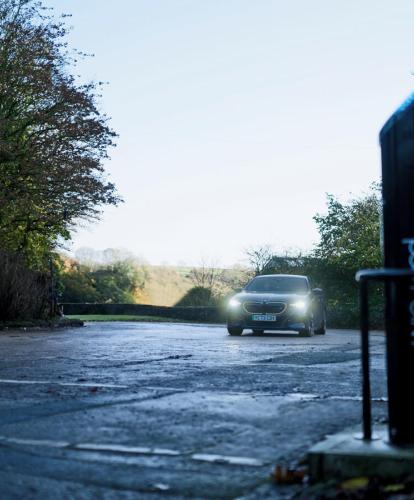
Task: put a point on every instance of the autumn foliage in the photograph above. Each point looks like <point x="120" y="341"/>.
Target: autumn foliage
<point x="53" y="139"/>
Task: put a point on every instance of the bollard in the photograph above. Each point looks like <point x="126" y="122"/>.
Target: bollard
<point x="397" y="147"/>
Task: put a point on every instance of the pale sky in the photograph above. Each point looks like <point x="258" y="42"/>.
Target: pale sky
<point x="237" y="116"/>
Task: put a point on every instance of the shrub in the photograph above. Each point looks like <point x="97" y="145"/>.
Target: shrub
<point x="198" y="296"/>
<point x="24" y="293"/>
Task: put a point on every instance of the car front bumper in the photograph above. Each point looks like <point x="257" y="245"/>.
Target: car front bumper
<point x="287" y="321"/>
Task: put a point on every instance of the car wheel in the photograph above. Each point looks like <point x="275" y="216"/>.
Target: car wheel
<point x="234" y="330"/>
<point x="307" y="331"/>
<point x="321" y="330"/>
<point x="258" y="331"/>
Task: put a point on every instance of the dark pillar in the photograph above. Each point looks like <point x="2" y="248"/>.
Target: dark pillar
<point x="397" y="144"/>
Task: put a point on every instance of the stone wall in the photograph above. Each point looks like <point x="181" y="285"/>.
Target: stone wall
<point x="198" y="314"/>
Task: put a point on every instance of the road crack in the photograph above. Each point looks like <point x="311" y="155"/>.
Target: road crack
<point x="142" y="361"/>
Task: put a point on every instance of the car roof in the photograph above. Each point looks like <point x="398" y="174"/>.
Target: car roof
<point x="282" y="276"/>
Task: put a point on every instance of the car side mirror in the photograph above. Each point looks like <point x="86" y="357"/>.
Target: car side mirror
<point x="318" y="292"/>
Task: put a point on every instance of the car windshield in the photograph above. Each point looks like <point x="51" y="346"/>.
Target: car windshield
<point x="278" y="284"/>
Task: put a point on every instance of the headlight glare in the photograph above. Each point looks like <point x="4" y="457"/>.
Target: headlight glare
<point x="234" y="303"/>
<point x="300" y="305"/>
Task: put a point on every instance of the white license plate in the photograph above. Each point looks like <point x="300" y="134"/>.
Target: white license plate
<point x="264" y="317"/>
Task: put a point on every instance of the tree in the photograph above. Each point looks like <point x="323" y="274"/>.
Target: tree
<point x="349" y="241"/>
<point x="111" y="283"/>
<point x="260" y="258"/>
<point x="234" y="278"/>
<point x="350" y="232"/>
<point x="349" y="238"/>
<point x="53" y="138"/>
<point x="207" y="275"/>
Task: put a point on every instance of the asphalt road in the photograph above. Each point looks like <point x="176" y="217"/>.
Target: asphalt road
<point x="147" y="410"/>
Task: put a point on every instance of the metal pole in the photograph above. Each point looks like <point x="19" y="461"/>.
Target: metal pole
<point x="52" y="288"/>
<point x="366" y="387"/>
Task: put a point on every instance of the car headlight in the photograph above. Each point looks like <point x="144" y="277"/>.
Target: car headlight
<point x="300" y="305"/>
<point x="234" y="304"/>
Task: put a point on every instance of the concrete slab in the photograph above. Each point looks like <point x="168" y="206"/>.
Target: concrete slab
<point x="347" y="455"/>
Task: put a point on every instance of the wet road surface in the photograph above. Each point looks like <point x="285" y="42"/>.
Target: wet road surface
<point x="151" y="410"/>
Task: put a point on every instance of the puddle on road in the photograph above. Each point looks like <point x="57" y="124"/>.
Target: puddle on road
<point x="236" y="405"/>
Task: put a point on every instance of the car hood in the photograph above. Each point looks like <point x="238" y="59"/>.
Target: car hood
<point x="270" y="297"/>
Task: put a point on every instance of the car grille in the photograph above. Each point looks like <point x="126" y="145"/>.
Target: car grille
<point x="264" y="307"/>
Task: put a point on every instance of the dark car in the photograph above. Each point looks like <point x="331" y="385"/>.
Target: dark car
<point x="277" y="302"/>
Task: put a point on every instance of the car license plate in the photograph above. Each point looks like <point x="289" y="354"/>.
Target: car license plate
<point x="264" y="317"/>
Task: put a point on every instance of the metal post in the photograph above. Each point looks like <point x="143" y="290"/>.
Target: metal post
<point x="397" y="281"/>
<point x="366" y="386"/>
<point x="52" y="288"/>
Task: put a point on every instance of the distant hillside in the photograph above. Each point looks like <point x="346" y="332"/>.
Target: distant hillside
<point x="117" y="276"/>
<point x="165" y="285"/>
